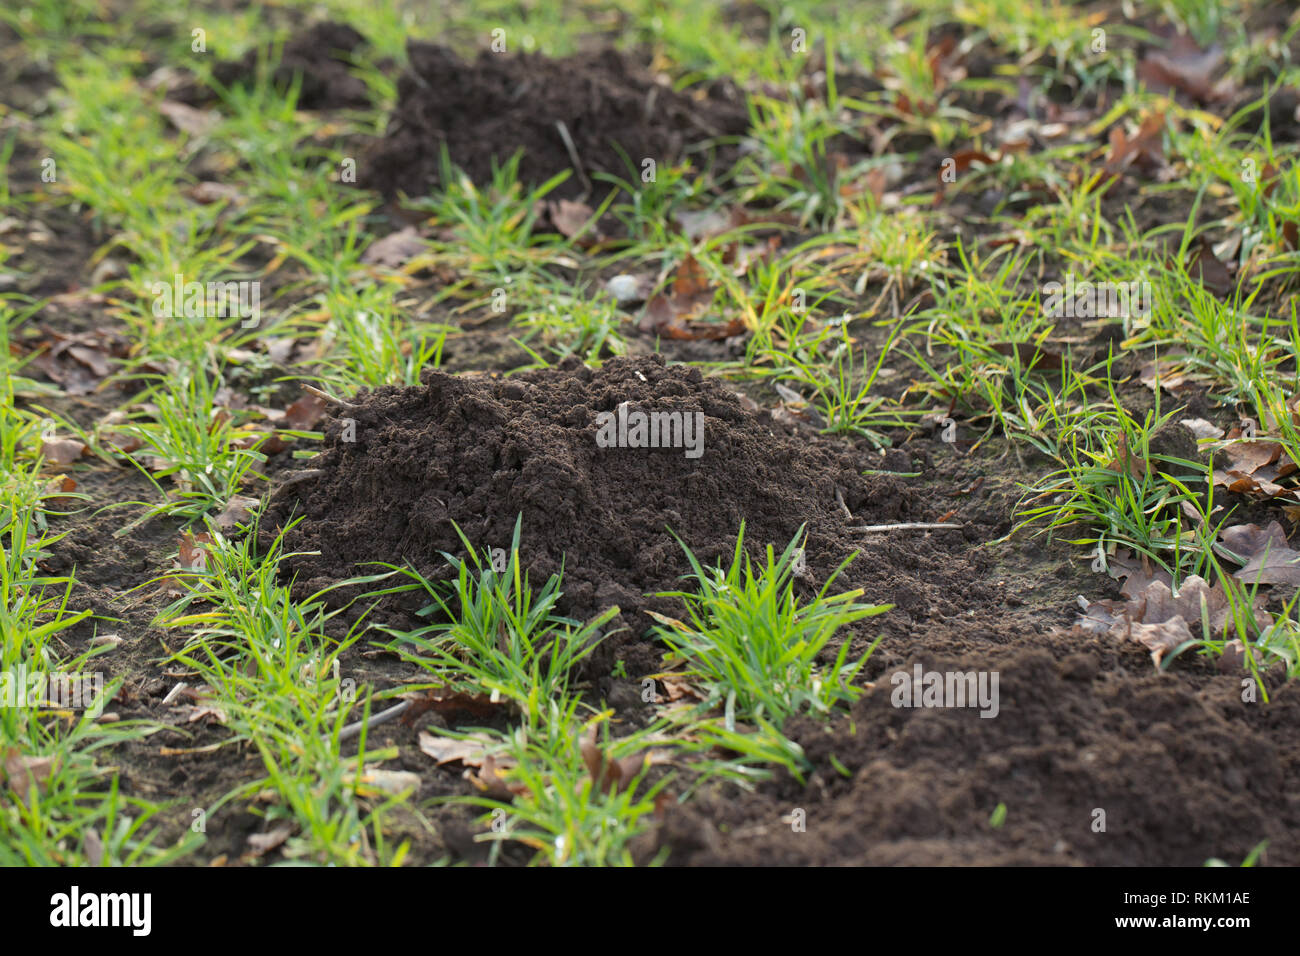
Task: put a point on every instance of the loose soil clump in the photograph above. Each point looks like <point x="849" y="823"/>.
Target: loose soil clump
<point x="1098" y="761"/>
<point x="321" y="56"/>
<point x="484" y="111"/>
<point x="1180" y="765"/>
<point x="475" y="452"/>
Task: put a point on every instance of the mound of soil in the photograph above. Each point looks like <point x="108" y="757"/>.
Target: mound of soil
<point x="321" y="55"/>
<point x="479" y="451"/>
<point x="1181" y="768"/>
<point x="488" y="109"/>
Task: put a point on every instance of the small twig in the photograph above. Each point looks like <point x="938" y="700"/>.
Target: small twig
<point x="354" y="729"/>
<point x="299" y="478"/>
<point x="174" y="693"/>
<point x="573" y="154"/>
<point x="839" y="500"/>
<point x="907" y="526"/>
<point x="326" y="396"/>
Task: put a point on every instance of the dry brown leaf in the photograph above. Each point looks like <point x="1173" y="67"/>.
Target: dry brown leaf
<point x="394" y="250"/>
<point x="303" y="414"/>
<point x="1185" y="67"/>
<point x="1145" y="150"/>
<point x="610" y="775"/>
<point x="1163" y="374"/>
<point x="22" y="771"/>
<point x="193" y="551"/>
<point x="1214" y="273"/>
<point x="1246" y="541"/>
<point x="1136" y="571"/>
<point x="672" y="314"/>
<point x="450" y="704"/>
<point x="206" y="710"/>
<point x="675" y="690"/>
<point x="207" y="192"/>
<point x="76" y="361"/>
<point x="1126" y="460"/>
<point x="187" y="119"/>
<point x="470" y="751"/>
<point x="262" y="843"/>
<point x="1161" y="619"/>
<point x="1254" y="467"/>
<point x="491" y="782"/>
<point x="569" y="218"/>
<point x="62" y="451"/>
<point x="237" y="511"/>
<point x="1265" y="554"/>
<point x="1202" y="429"/>
<point x="374" y="781"/>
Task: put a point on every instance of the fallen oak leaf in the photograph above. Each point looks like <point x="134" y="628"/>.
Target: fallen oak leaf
<point x="1276" y="567"/>
<point x="22" y="772"/>
<point x="207" y="192"/>
<point x="1145" y="150"/>
<point x="669" y="314"/>
<point x="570" y="218"/>
<point x="302" y="415"/>
<point x="1202" y="429"/>
<point x="491" y="782"/>
<point x="187" y="119"/>
<point x="1184" y="67"/>
<point x="1164" y="374"/>
<point x="395" y="249"/>
<point x="62" y="451"/>
<point x="1213" y="272"/>
<point x="1136" y="572"/>
<point x="458" y="702"/>
<point x="260" y="844"/>
<point x="374" y="781"/>
<point x="237" y="511"/>
<point x="1265" y="554"/>
<point x="58" y="491"/>
<point x="1243" y="542"/>
<point x="609" y="775"/>
<point x="1157" y="617"/>
<point x="192" y="551"/>
<point x="470" y="750"/>
<point x="675" y="690"/>
<point x="1126" y="460"/>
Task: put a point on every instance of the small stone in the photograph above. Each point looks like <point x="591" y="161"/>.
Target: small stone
<point x="626" y="289"/>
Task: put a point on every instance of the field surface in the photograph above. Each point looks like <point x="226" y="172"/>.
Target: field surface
<point x="649" y="432"/>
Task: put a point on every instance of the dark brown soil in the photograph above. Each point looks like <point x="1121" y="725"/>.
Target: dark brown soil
<point x="1181" y="766"/>
<point x="321" y="55"/>
<point x="485" y="110"/>
<point x="479" y="451"/>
